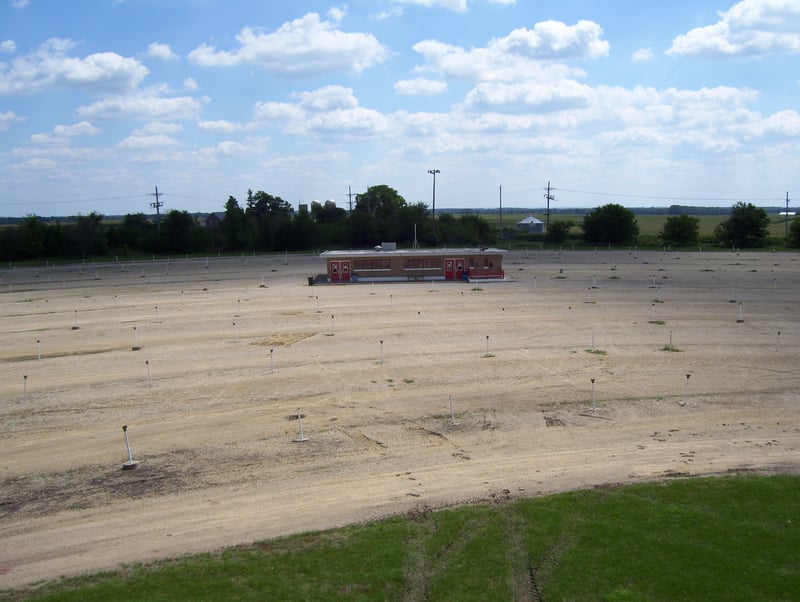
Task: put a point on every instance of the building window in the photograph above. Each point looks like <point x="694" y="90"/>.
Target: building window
<point x="363" y="265"/>
<point x="422" y="263"/>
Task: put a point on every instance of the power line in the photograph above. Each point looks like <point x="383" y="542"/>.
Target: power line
<point x="73" y="201"/>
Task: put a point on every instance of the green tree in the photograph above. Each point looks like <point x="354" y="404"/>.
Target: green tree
<point x="610" y="224"/>
<point x="681" y="230"/>
<point x="268" y="221"/>
<point x="383" y="204"/>
<point x="559" y="230"/>
<point x="138" y="234"/>
<point x="362" y="230"/>
<point x="32" y="237"/>
<point x="412" y="220"/>
<point x="177" y="232"/>
<point x="233" y="225"/>
<point x="747" y="227"/>
<point x="306" y="231"/>
<point x="794" y="233"/>
<point x="468" y="229"/>
<point x="87" y="235"/>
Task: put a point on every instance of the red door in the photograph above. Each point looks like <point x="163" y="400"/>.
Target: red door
<point x="449" y="269"/>
<point x="345" y="271"/>
<point x="459" y="269"/>
<point x="334" y="271"/>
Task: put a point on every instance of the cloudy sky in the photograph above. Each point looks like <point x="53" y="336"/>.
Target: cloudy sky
<point x="643" y="103"/>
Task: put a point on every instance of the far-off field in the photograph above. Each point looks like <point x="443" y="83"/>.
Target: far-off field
<point x="257" y="405"/>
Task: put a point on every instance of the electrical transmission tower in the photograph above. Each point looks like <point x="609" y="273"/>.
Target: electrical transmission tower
<point x="158" y="205"/>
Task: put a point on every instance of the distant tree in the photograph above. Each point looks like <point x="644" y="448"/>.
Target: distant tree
<point x="610" y="224"/>
<point x="87" y="236"/>
<point x="306" y="232"/>
<point x="383" y="204"/>
<point x="233" y="225"/>
<point x="268" y="221"/>
<point x="559" y="230"/>
<point x="747" y="227"/>
<point x="137" y="233"/>
<point x="794" y="233"/>
<point x="362" y="230"/>
<point x="32" y="237"/>
<point x="467" y="229"/>
<point x="681" y="230"/>
<point x="328" y="213"/>
<point x="177" y="232"/>
<point x="412" y="220"/>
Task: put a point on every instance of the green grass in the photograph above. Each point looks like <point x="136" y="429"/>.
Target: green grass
<point x="650" y="225"/>
<point x="730" y="538"/>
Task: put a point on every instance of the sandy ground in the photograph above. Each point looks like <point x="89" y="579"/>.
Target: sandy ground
<point x="230" y="349"/>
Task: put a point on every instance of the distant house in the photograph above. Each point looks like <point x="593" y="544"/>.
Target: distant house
<point x="214" y="221"/>
<point x="531" y="225"/>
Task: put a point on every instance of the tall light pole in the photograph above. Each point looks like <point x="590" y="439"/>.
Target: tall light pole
<point x="433" y="172"/>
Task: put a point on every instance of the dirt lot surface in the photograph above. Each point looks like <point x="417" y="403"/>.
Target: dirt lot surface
<point x="228" y="351"/>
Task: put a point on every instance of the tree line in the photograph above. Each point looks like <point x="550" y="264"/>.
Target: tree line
<point x="265" y="223"/>
<point x="262" y="223"/>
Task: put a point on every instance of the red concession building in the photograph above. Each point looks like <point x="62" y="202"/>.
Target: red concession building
<point x="391" y="265"/>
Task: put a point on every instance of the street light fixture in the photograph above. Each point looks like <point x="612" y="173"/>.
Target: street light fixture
<point x="433" y="172"/>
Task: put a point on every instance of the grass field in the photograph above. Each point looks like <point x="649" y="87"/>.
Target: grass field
<point x="649" y="225"/>
<point x="731" y="538"/>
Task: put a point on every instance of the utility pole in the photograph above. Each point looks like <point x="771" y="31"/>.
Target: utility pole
<point x="350" y="195"/>
<point x="157" y="204"/>
<point x="501" y="208"/>
<point x="549" y="198"/>
<point x="786" y="223"/>
<point x="433" y="172"/>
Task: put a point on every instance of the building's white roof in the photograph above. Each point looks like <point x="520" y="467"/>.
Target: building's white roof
<point x="438" y="252"/>
<point x="529" y="220"/>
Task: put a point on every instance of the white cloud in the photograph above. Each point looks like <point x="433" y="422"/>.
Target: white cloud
<point x="524" y="54"/>
<point x="396" y="11"/>
<point x="420" y="86"/>
<point x="142" y="106"/>
<point x="8" y="46"/>
<point x="485" y="64"/>
<point x="328" y="98"/>
<point x="304" y="47"/>
<point x="8" y="118"/>
<point x="159" y="127"/>
<point x="19" y="3"/>
<point x="643" y="54"/>
<point x="37" y="164"/>
<point x="530" y="96"/>
<point x="748" y="28"/>
<point x="220" y="126"/>
<point x="554" y="40"/>
<point x="50" y="67"/>
<point x="190" y="84"/>
<point x="143" y="142"/>
<point x="161" y="51"/>
<point x="336" y="14"/>
<point x="230" y="148"/>
<point x="63" y="132"/>
<point x="330" y="111"/>
<point x="457" y="6"/>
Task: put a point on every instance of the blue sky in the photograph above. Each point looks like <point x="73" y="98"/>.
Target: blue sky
<point x="642" y="103"/>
